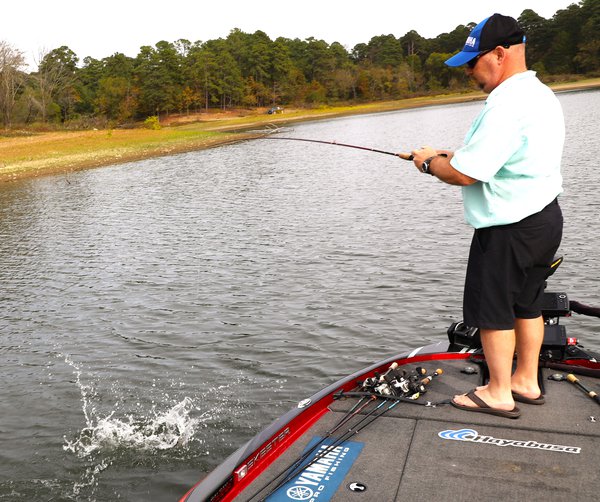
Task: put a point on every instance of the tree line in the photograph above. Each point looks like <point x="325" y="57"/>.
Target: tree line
<point x="251" y="70"/>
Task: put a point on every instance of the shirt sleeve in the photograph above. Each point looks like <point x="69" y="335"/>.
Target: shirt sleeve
<point x="492" y="140"/>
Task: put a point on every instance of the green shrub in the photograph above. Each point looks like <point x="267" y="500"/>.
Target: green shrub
<point x="152" y="123"/>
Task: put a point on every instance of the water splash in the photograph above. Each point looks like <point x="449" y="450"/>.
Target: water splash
<point x="159" y="430"/>
<point x="89" y="478"/>
<point x="122" y="433"/>
<point x="162" y="431"/>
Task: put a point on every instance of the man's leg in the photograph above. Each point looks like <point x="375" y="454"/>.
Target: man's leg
<point x="529" y="339"/>
<point x="499" y="350"/>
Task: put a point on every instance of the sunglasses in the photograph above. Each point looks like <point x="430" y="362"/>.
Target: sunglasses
<point x="471" y="64"/>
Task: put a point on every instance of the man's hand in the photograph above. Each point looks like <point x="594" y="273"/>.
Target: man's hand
<point x="420" y="155"/>
<point x="440" y="166"/>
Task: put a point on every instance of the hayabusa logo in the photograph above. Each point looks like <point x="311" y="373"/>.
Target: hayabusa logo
<point x="461" y="435"/>
<point x="472" y="436"/>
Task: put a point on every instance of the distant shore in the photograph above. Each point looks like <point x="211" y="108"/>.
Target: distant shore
<point x="25" y="154"/>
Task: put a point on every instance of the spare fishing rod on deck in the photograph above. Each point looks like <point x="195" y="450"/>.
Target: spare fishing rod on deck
<point x="590" y="393"/>
<point x="324" y="447"/>
<point x="355" y="411"/>
<point x="391" y="388"/>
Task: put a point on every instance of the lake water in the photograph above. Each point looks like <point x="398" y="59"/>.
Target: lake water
<point x="156" y="315"/>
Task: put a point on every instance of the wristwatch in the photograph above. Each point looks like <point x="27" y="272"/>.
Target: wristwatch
<point x="425" y="166"/>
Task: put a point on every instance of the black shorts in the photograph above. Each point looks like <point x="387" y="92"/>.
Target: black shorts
<point x="507" y="269"/>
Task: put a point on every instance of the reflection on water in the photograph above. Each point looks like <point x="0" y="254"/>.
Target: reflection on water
<point x="155" y="315"/>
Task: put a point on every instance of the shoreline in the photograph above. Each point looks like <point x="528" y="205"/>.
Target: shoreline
<point x="48" y="153"/>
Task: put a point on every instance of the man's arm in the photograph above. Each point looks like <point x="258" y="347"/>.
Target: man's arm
<point x="440" y="166"/>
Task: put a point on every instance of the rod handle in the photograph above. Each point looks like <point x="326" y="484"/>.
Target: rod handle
<point x="405" y="156"/>
<point x="428" y="379"/>
<point x="574" y="380"/>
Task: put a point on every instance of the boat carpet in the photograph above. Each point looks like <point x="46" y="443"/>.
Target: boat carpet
<point x="552" y="452"/>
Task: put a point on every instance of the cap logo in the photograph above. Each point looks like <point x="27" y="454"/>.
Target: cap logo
<point x="471" y="41"/>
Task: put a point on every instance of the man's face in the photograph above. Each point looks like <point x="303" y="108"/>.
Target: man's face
<point x="484" y="70"/>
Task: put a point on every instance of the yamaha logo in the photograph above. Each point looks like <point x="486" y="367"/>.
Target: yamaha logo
<point x="322" y="472"/>
<point x="299" y="493"/>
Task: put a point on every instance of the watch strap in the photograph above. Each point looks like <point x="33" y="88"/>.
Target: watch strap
<point x="425" y="165"/>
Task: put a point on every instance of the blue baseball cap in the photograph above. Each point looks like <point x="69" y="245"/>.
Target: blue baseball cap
<point x="490" y="33"/>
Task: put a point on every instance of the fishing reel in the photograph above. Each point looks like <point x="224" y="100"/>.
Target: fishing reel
<point x="395" y="382"/>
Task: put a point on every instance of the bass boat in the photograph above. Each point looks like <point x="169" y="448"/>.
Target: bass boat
<point x="388" y="433"/>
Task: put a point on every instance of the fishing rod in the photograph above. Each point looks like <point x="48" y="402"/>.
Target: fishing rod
<point x="575" y="381"/>
<point x="393" y="386"/>
<point x="405" y="156"/>
<point x="354" y="411"/>
<point x="369" y="418"/>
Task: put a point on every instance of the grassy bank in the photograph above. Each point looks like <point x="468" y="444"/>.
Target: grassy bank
<point x="54" y="152"/>
<point x="35" y="154"/>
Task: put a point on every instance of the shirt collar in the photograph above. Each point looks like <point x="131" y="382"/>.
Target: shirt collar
<point x="509" y="82"/>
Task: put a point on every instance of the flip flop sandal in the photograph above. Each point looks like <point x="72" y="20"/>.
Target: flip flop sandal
<point x="527" y="400"/>
<point x="483" y="407"/>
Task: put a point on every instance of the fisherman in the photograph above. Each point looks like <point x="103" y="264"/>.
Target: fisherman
<point x="509" y="171"/>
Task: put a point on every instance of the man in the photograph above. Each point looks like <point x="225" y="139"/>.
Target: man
<point x="509" y="169"/>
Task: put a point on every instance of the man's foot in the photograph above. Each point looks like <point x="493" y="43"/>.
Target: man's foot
<point x="471" y="402"/>
<point x="526" y="391"/>
<point x="528" y="396"/>
<point x="528" y="400"/>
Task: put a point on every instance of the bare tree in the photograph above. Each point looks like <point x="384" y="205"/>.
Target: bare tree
<point x="12" y="63"/>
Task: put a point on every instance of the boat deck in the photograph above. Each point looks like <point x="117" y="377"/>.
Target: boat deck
<point x="552" y="452"/>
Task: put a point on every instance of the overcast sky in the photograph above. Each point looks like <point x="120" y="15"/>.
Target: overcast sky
<point x="99" y="29"/>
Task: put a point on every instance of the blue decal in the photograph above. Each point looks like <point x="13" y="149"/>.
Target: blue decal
<point x="460" y="435"/>
<point x="320" y="479"/>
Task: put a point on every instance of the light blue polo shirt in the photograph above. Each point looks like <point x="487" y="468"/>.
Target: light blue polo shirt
<point x="514" y="149"/>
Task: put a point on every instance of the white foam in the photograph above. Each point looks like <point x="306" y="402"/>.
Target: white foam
<point x="159" y="430"/>
<point x="162" y="431"/>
